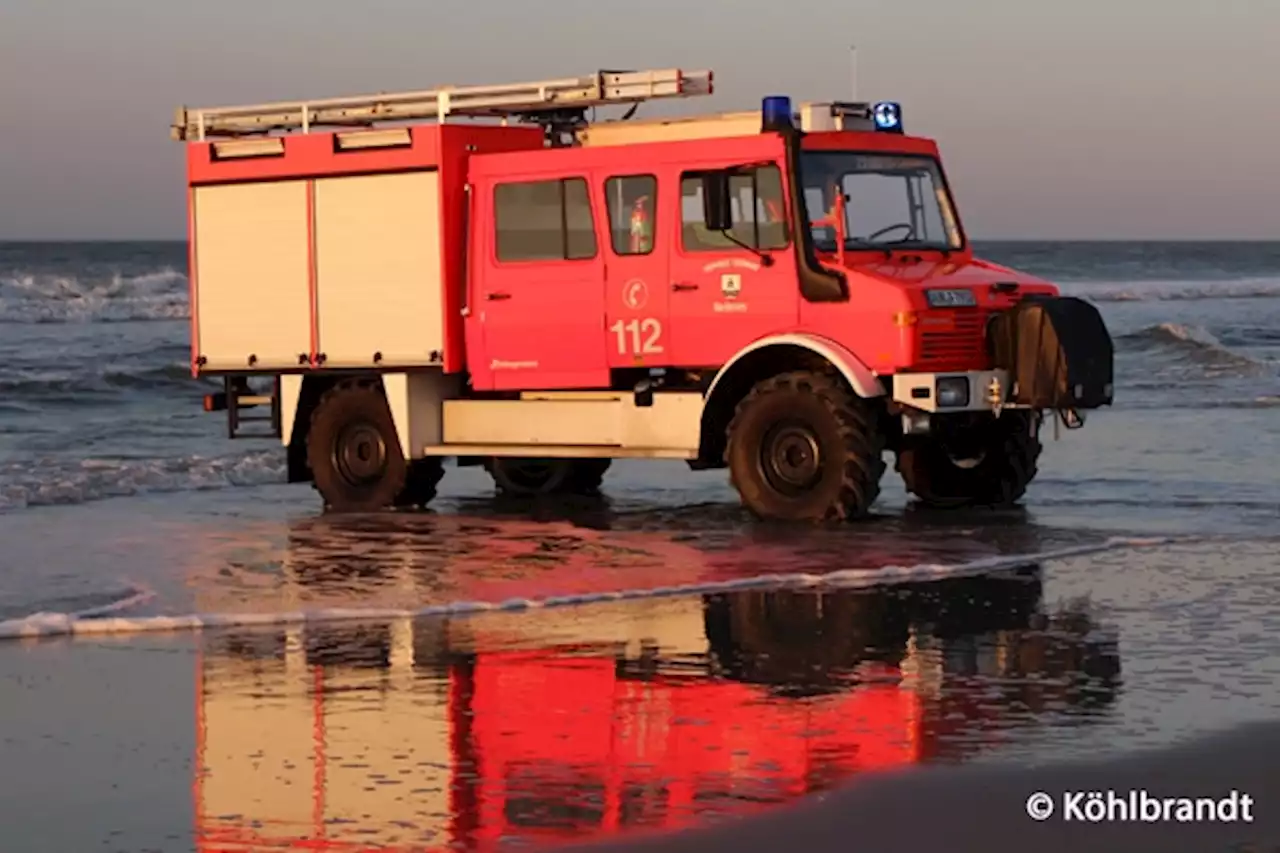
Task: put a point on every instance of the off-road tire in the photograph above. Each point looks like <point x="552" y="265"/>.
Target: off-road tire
<point x="844" y="480"/>
<point x="422" y="481"/>
<point x="351" y="418"/>
<point x="521" y="477"/>
<point x="586" y="476"/>
<point x="1009" y="464"/>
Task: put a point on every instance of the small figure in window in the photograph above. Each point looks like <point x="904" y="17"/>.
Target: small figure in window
<point x="771" y="223"/>
<point x="832" y="228"/>
<point x="641" y="227"/>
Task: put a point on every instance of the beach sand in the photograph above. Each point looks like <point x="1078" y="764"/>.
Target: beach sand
<point x="562" y="724"/>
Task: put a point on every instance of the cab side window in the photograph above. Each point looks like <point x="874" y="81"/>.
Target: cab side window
<point x="632" y="202"/>
<point x="758" y="207"/>
<point x="543" y="221"/>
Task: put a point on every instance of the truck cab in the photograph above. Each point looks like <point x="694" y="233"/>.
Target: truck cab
<point x="788" y="293"/>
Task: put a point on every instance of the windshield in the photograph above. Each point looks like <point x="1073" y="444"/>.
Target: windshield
<point x="891" y="200"/>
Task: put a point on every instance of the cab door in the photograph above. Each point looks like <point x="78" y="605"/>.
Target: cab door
<point x="637" y="293"/>
<point x="727" y="291"/>
<point x="538" y="300"/>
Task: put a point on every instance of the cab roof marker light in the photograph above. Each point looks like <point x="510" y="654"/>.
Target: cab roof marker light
<point x="887" y="116"/>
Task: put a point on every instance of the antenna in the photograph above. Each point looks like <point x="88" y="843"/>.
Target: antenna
<point x="853" y="72"/>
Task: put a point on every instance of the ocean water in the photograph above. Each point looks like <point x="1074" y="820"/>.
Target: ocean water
<point x="1128" y="603"/>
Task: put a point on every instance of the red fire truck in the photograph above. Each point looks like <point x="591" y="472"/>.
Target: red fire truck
<point x="483" y="273"/>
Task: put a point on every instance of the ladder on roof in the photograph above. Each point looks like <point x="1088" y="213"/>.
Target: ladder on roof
<point x="533" y="102"/>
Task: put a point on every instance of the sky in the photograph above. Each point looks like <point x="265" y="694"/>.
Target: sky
<point x="1090" y="119"/>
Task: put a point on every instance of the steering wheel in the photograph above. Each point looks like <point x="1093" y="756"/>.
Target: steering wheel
<point x="895" y="227"/>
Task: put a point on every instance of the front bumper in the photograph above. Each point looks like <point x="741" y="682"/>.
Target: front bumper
<point x="937" y="393"/>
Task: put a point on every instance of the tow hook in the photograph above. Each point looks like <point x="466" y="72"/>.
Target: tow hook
<point x="995" y="395"/>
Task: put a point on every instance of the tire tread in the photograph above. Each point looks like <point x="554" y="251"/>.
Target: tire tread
<point x="862" y="442"/>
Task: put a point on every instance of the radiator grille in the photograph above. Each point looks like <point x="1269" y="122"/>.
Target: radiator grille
<point x="961" y="346"/>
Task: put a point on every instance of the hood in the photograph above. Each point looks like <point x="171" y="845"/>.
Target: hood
<point x="914" y="272"/>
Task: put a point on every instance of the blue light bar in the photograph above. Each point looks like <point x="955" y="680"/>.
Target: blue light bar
<point x="775" y="112"/>
<point x="887" y="116"/>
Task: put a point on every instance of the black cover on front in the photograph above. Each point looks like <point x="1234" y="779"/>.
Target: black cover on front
<point x="1058" y="353"/>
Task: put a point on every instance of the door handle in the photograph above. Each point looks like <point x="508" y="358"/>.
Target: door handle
<point x="498" y="297"/>
<point x="681" y="285"/>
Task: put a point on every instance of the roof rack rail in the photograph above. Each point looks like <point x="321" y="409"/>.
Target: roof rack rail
<point x="530" y="102"/>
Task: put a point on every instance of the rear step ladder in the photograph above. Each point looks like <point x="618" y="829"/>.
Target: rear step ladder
<point x="236" y="397"/>
<point x="521" y="101"/>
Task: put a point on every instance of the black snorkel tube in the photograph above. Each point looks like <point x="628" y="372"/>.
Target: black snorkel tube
<point x="817" y="283"/>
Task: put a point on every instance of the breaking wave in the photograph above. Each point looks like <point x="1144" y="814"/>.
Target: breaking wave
<point x="1195" y="343"/>
<point x="53" y="624"/>
<point x="88" y="605"/>
<point x="56" y="481"/>
<point x="47" y="298"/>
<point x="1174" y="291"/>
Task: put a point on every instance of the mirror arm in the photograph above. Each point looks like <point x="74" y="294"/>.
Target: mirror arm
<point x="766" y="259"/>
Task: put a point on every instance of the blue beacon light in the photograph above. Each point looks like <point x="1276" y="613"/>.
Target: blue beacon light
<point x="775" y="112"/>
<point x="887" y="116"/>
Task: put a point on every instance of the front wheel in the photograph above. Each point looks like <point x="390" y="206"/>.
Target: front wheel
<point x="990" y="464"/>
<point x="803" y="448"/>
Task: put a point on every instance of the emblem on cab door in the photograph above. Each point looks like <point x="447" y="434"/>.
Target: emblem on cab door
<point x="635" y="294"/>
<point x="731" y="284"/>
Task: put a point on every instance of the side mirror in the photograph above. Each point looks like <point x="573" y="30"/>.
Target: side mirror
<point x="717" y="214"/>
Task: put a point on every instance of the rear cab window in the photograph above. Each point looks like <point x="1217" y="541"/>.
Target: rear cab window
<point x="758" y="207"/>
<point x="544" y="220"/>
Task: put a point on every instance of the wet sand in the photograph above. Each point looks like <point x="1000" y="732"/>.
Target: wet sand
<point x="985" y="810"/>
<point x="660" y="712"/>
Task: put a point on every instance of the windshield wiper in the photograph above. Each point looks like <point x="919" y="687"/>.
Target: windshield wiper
<point x="863" y="243"/>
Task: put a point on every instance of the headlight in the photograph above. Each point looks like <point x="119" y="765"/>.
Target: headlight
<point x="952" y="392"/>
<point x="951" y="298"/>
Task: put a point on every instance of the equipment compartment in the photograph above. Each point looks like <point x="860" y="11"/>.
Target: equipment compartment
<point x="1058" y="352"/>
<point x="252" y="271"/>
<point x="378" y="270"/>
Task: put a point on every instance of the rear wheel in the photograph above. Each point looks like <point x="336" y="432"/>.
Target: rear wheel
<point x="355" y="456"/>
<point x="803" y="447"/>
<point x="988" y="464"/>
<point x="526" y="477"/>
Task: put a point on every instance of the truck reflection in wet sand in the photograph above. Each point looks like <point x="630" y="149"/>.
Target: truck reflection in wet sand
<point x="549" y="726"/>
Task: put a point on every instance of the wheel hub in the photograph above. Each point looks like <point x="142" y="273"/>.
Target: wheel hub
<point x="791" y="458"/>
<point x="361" y="454"/>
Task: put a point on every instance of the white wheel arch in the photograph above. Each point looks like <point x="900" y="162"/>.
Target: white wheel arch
<point x="860" y="377"/>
